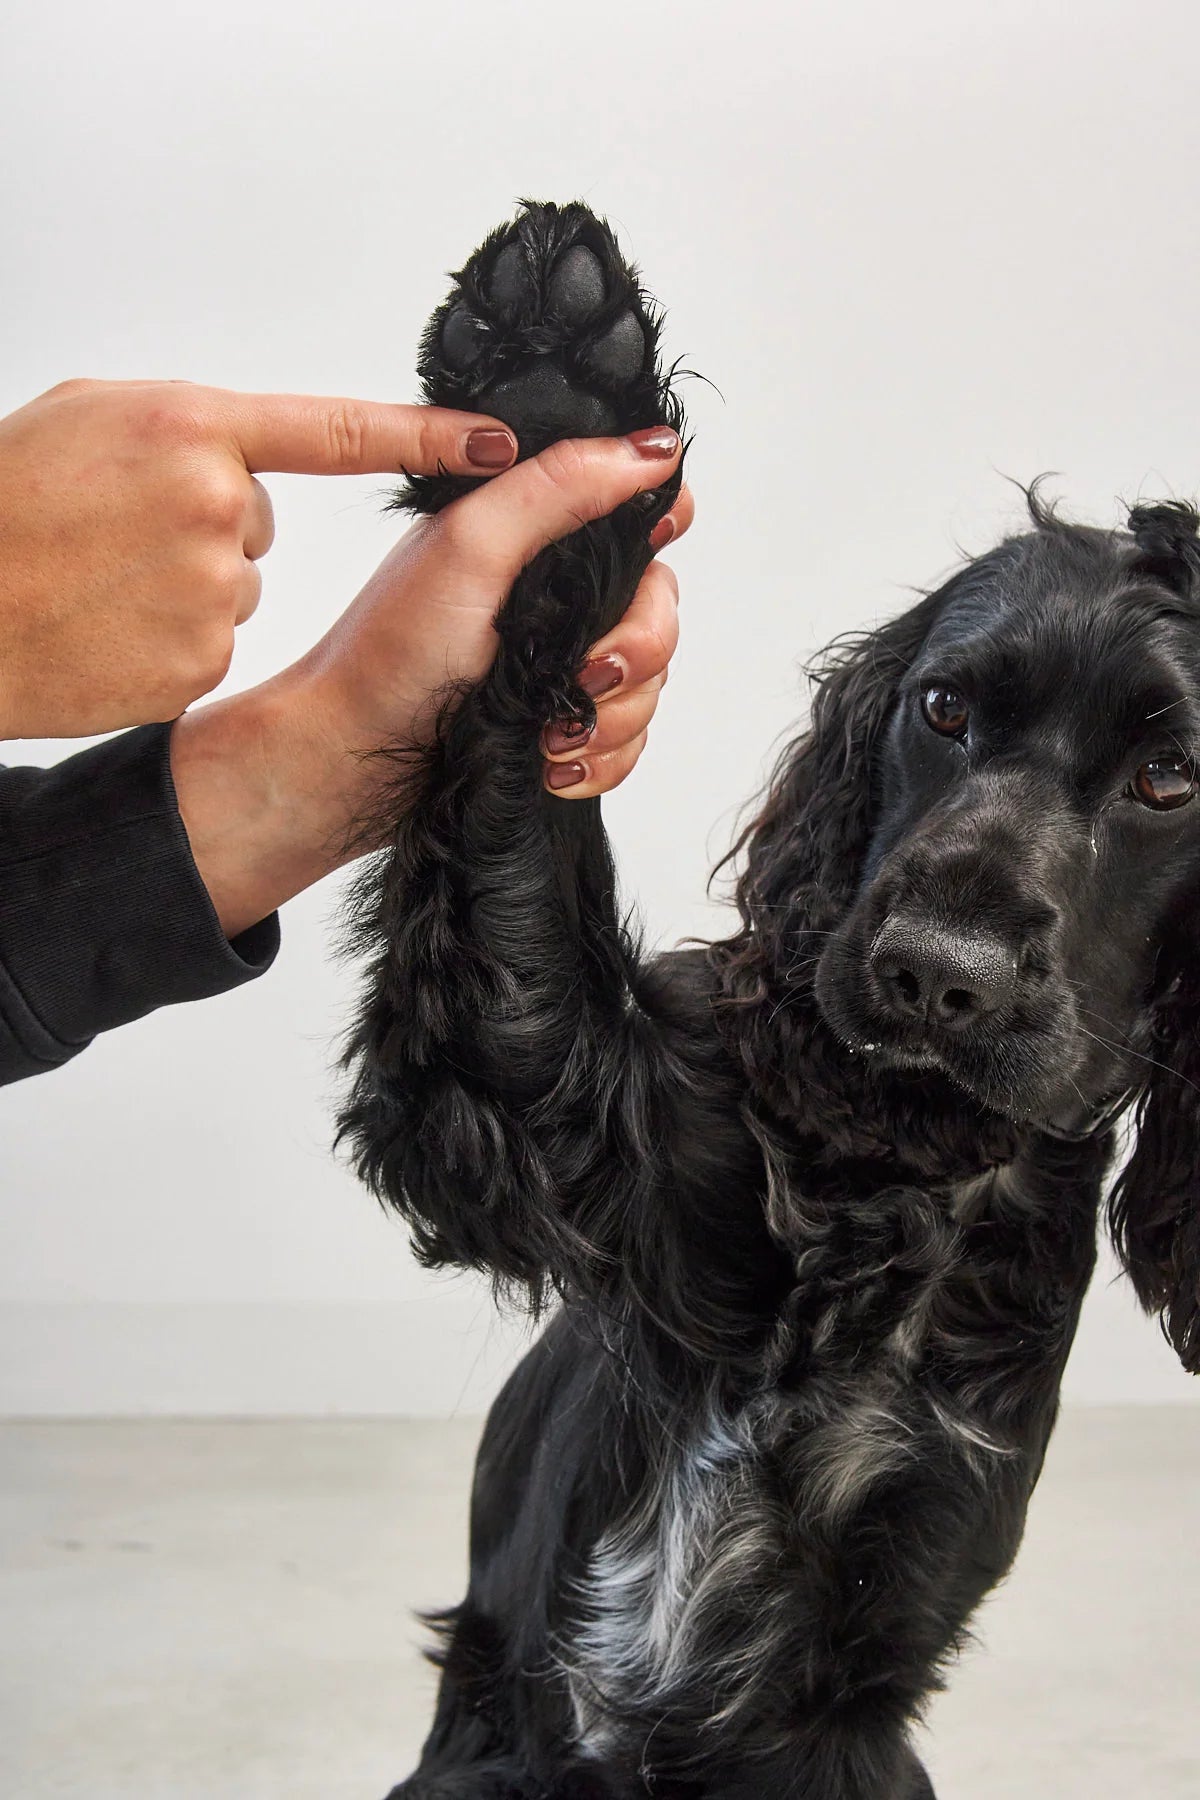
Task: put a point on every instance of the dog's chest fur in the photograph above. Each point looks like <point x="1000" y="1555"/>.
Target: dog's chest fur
<point x="778" y="1519"/>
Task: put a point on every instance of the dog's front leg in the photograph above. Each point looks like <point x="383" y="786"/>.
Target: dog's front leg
<point x="500" y="1039"/>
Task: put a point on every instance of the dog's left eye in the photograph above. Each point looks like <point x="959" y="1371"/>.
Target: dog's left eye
<point x="945" y="711"/>
<point x="1166" y="782"/>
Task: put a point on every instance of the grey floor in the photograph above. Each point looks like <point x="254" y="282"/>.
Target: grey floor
<point x="193" y="1610"/>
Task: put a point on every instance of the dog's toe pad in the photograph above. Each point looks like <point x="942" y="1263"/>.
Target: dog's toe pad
<point x="512" y="286"/>
<point x="576" y="289"/>
<point x="619" y="353"/>
<point x="463" y="338"/>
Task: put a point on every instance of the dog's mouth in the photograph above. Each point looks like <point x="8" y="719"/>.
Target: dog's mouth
<point x="1068" y="1115"/>
<point x="992" y="1079"/>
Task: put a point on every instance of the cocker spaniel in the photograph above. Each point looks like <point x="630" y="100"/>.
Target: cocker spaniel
<point x="818" y="1203"/>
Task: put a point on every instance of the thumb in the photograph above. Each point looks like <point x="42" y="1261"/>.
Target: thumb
<point x="499" y="528"/>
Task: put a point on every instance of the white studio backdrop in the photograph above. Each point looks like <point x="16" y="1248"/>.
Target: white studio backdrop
<point x="917" y="249"/>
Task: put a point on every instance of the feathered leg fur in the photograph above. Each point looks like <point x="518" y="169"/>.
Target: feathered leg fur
<point x="501" y="964"/>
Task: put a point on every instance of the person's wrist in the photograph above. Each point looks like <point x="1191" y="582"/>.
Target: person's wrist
<point x="368" y="697"/>
<point x="267" y="794"/>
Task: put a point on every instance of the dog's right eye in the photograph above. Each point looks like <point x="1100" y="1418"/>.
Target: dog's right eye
<point x="945" y="711"/>
<point x="1167" y="782"/>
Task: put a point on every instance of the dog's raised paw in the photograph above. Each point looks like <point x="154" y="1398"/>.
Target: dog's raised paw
<point x="548" y="329"/>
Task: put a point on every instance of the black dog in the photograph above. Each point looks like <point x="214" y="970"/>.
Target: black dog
<point x="821" y="1200"/>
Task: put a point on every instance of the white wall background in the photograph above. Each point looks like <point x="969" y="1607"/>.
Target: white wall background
<point x="915" y="247"/>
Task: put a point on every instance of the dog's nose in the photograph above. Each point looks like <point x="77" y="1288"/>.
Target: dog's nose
<point x="944" y="977"/>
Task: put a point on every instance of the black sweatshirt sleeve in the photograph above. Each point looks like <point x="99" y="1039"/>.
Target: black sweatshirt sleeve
<point x="103" y="915"/>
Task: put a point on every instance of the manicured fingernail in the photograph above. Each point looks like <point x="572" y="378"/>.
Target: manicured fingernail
<point x="600" y="675"/>
<point x="565" y="775"/>
<point x="656" y="442"/>
<point x="662" y="534"/>
<point x="566" y="734"/>
<point x="490" y="448"/>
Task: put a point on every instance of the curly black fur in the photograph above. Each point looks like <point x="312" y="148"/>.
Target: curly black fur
<point x="820" y="1201"/>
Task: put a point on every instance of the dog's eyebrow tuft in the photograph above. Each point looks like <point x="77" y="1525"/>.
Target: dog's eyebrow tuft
<point x="1152" y="716"/>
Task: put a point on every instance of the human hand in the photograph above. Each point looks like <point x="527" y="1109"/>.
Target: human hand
<point x="131" y="523"/>
<point x="272" y="783"/>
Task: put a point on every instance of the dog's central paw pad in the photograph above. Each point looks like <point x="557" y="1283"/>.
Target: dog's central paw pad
<point x="548" y="332"/>
<point x="540" y="402"/>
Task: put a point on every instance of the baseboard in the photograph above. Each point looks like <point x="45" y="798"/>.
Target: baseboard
<point x="431" y="1356"/>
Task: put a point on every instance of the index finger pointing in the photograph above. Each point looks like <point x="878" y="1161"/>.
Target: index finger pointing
<point x="311" y="434"/>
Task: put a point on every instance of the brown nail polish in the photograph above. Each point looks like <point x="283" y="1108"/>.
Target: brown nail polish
<point x="656" y="442"/>
<point x="565" y="775"/>
<point x="489" y="448"/>
<point x="600" y="675"/>
<point x="662" y="534"/>
<point x="566" y="734"/>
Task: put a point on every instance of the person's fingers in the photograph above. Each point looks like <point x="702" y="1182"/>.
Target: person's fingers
<point x="249" y="593"/>
<point x="501" y="527"/>
<point x="624" y="675"/>
<point x="586" y="776"/>
<point x="641" y="645"/>
<point x="84" y="384"/>
<point x="259" y="531"/>
<point x="308" y="434"/>
<point x="672" y="525"/>
<point x="624" y="718"/>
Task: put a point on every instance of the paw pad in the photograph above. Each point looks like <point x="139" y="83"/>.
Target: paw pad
<point x="463" y="338"/>
<point x="549" y="333"/>
<point x="620" y="352"/>
<point x="576" y="290"/>
<point x="540" y="403"/>
<point x="511" y="285"/>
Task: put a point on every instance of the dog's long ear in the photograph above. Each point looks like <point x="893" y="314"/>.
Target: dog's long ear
<point x="1154" y="1211"/>
<point x="1167" y="547"/>
<point x="804" y="850"/>
<point x="803" y="861"/>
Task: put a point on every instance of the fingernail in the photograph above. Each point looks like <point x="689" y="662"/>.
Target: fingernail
<point x="662" y="534"/>
<point x="656" y="442"/>
<point x="600" y="675"/>
<point x="490" y="448"/>
<point x="566" y="734"/>
<point x="565" y="775"/>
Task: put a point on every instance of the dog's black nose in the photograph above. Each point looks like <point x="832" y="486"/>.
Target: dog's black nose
<point x="943" y="977"/>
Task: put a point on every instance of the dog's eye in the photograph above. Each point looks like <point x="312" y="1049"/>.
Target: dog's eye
<point x="1166" y="782"/>
<point x="945" y="710"/>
